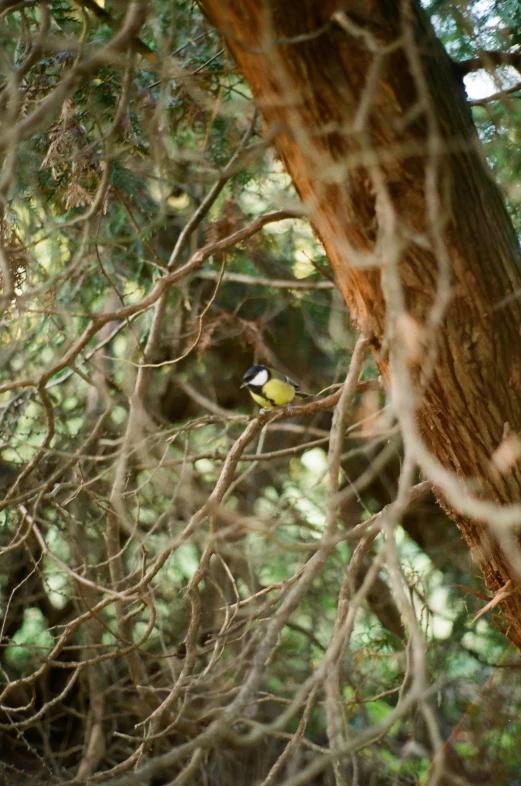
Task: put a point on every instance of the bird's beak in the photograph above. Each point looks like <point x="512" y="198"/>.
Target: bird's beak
<point x="244" y="385"/>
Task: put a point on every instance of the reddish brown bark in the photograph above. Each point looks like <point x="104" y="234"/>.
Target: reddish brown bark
<point x="308" y="74"/>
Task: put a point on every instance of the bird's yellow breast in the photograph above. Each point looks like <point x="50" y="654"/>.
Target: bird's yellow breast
<point x="275" y="393"/>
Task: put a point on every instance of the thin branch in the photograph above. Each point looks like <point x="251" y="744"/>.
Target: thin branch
<point x="499" y="96"/>
<point x="271" y="283"/>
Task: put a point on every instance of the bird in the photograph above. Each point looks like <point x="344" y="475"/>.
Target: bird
<point x="270" y="388"/>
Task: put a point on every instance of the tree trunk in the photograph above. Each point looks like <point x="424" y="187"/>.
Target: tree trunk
<point x="356" y="91"/>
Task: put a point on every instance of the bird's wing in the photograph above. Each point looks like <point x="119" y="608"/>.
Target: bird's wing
<point x="292" y="382"/>
<point x="298" y="391"/>
<point x="283" y="377"/>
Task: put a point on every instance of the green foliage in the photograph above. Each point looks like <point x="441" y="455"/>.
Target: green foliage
<point x="112" y="477"/>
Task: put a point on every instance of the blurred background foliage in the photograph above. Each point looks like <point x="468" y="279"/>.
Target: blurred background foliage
<point x="94" y="200"/>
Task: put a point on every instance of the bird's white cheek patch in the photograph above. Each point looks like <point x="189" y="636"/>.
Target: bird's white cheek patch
<point x="260" y="378"/>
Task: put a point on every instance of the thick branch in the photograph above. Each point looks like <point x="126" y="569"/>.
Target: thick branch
<point x="488" y="58"/>
<point x="372" y="124"/>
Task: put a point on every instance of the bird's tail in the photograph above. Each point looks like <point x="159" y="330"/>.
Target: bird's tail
<point x="301" y="394"/>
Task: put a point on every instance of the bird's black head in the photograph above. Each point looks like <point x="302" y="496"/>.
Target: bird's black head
<point x="252" y="373"/>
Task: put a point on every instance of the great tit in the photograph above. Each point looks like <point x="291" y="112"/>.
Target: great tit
<point x="270" y="388"/>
